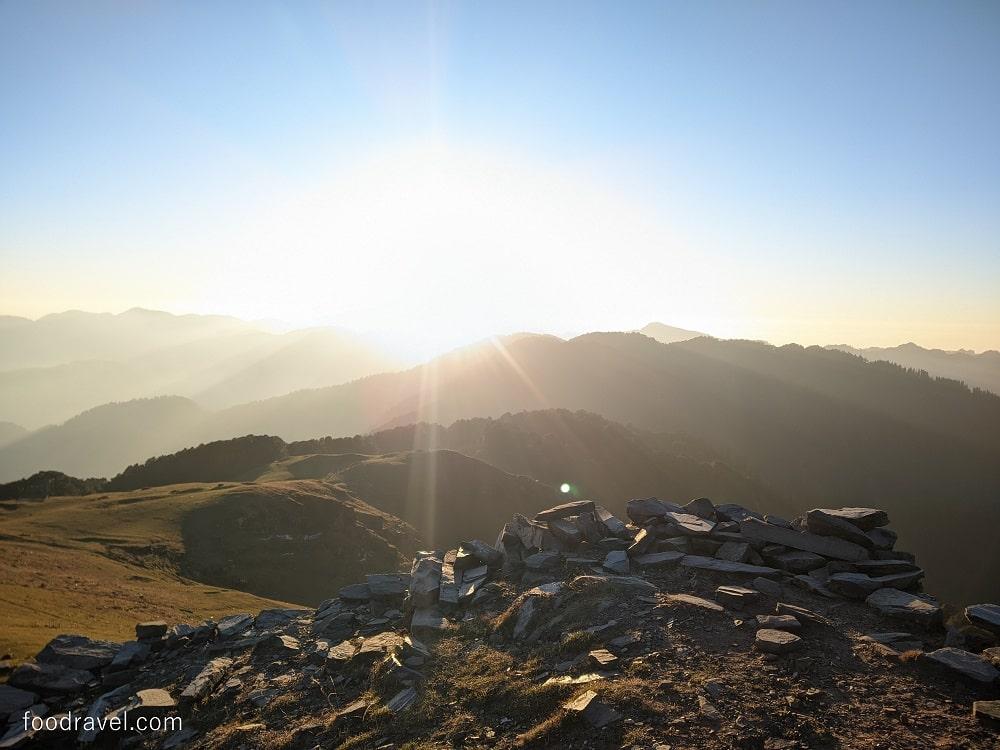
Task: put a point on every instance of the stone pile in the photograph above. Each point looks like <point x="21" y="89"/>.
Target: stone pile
<point x="532" y="581"/>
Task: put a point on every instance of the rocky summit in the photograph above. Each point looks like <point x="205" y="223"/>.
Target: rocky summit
<point x="694" y="626"/>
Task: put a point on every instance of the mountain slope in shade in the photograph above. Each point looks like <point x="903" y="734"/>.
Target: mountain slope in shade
<point x="95" y="442"/>
<point x="976" y="370"/>
<point x="669" y="334"/>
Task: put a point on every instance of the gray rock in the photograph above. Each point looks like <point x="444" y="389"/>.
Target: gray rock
<point x="14" y="699"/>
<point x="614" y="525"/>
<point x="387" y="585"/>
<point x="613" y="543"/>
<point x="967" y="665"/>
<point x="273" y="619"/>
<point x="773" y="641"/>
<point x="425" y="582"/>
<point x="736" y="596"/>
<point x="49" y="678"/>
<point x="402" y="700"/>
<point x="483" y="552"/>
<point x="777" y="521"/>
<point x="641" y="544"/>
<point x="131" y="653"/>
<point x="797" y="561"/>
<point x="450" y="579"/>
<point x="778" y="622"/>
<point x="732" y="551"/>
<point x="767" y="586"/>
<point x="690" y="525"/>
<point x="206" y="680"/>
<point x="617" y="562"/>
<point x="722" y="566"/>
<point x="77" y="652"/>
<point x="593" y="711"/>
<point x="884" y="567"/>
<point x="602" y="658"/>
<point x="565" y="510"/>
<point x="149" y="630"/>
<point x="828" y="546"/>
<point x="234" y="625"/>
<point x="905" y="606"/>
<point x="701" y="507"/>
<point x="819" y="521"/>
<point x="734" y="512"/>
<point x="544" y="560"/>
<point x="590" y="527"/>
<point x="659" y="559"/>
<point x="153" y="702"/>
<point x="852" y="585"/>
<point x="694" y="601"/>
<point x="987" y="713"/>
<point x="428" y="623"/>
<point x="645" y="510"/>
<point x="566" y="532"/>
<point x="882" y="539"/>
<point x="986" y="616"/>
<point x="355" y="592"/>
<point x="865" y="519"/>
<point x="801" y="614"/>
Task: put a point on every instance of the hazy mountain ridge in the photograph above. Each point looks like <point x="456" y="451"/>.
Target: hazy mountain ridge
<point x="60" y="365"/>
<point x="814" y="426"/>
<point x="980" y="370"/>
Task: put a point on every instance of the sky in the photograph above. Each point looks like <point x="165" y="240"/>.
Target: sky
<point x="430" y="174"/>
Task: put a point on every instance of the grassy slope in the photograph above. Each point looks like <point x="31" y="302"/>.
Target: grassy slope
<point x="99" y="564"/>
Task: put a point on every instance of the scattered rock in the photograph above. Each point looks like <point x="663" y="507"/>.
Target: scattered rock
<point x="738" y="552"/>
<point x="779" y="622"/>
<point x="827" y="523"/>
<point x="355" y="592"/>
<point x="658" y="559"/>
<point x="801" y="614"/>
<point x="402" y="700"/>
<point x="386" y="585"/>
<point x="767" y="586"/>
<point x="865" y="519"/>
<point x="206" y="680"/>
<point x="986" y="616"/>
<point x="967" y="665"/>
<point x="14" y="699"/>
<point x="987" y="712"/>
<point x="602" y="658"/>
<point x="910" y="607"/>
<point x="49" y="678"/>
<point x="482" y="551"/>
<point x="544" y="560"/>
<point x="694" y="601"/>
<point x="773" y="641"/>
<point x="722" y="566"/>
<point x="736" y="596"/>
<point x="593" y="711"/>
<point x="617" y="562"/>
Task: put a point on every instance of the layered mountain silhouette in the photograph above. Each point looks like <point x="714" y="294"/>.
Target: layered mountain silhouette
<point x="977" y="370"/>
<point x="811" y="426"/>
<point x="60" y="365"/>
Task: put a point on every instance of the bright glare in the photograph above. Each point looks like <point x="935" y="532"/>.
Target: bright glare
<point x="564" y="488"/>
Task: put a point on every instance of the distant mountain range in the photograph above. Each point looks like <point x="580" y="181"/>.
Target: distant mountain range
<point x="813" y="427"/>
<point x="61" y="365"/>
<point x="976" y="370"/>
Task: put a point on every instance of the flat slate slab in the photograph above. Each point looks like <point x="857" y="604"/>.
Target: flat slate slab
<point x="78" y="652"/>
<point x="827" y="546"/>
<point x="14" y="699"/>
<point x="234" y="625"/>
<point x="387" y="585"/>
<point x="852" y="585"/>
<point x="658" y="559"/>
<point x="695" y="601"/>
<point x="736" y="595"/>
<point x="963" y="663"/>
<point x="49" y="678"/>
<point x="778" y="622"/>
<point x="773" y="641"/>
<point x="905" y="606"/>
<point x="724" y="566"/>
<point x="801" y="614"/>
<point x="987" y="712"/>
<point x="690" y="524"/>
<point x="565" y="510"/>
<point x="825" y="523"/>
<point x="865" y="519"/>
<point x="986" y="616"/>
<point x="617" y="562"/>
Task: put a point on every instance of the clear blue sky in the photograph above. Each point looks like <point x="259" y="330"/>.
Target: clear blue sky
<point x="790" y="171"/>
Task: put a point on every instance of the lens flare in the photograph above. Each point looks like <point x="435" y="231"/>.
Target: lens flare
<point x="564" y="488"/>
